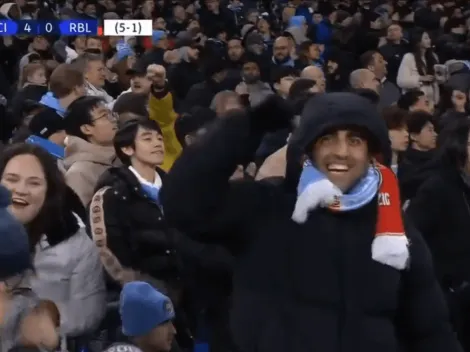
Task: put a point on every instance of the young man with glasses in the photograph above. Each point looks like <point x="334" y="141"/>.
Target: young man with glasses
<point x="90" y="126"/>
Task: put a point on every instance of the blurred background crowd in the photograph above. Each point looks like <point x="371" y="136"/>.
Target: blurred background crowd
<point x="77" y="116"/>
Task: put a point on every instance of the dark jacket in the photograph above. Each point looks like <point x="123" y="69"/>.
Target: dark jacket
<point x="183" y="76"/>
<point x="441" y="212"/>
<point x="24" y="100"/>
<point x="301" y="287"/>
<point x="153" y="56"/>
<point x="137" y="233"/>
<point x="201" y="94"/>
<point x="212" y="23"/>
<point x="414" y="168"/>
<point x="140" y="238"/>
<point x="449" y="118"/>
<point x="393" y="54"/>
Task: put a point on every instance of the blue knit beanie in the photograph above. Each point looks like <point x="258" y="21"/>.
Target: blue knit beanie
<point x="143" y="308"/>
<point x="14" y="244"/>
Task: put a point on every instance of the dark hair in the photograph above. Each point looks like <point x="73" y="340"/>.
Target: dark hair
<point x="453" y="142"/>
<point x="78" y="114"/>
<point x="283" y="71"/>
<point x="417" y="120"/>
<point x="304" y="52"/>
<point x="453" y="22"/>
<point x="125" y="136"/>
<point x="134" y="103"/>
<point x="300" y="86"/>
<point x="410" y="98"/>
<point x="426" y="68"/>
<point x="33" y="57"/>
<point x="395" y="118"/>
<point x="191" y="122"/>
<point x="445" y="101"/>
<point x="52" y="210"/>
<point x="367" y="58"/>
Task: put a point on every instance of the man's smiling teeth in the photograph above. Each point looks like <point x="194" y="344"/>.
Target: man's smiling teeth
<point x="337" y="168"/>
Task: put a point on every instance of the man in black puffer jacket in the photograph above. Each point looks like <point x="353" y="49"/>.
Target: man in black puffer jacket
<point x="331" y="268"/>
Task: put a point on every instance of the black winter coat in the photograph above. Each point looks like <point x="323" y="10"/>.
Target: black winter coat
<point x="441" y="212"/>
<point x="137" y="233"/>
<point x="310" y="287"/>
<point x="140" y="238"/>
<point x="183" y="76"/>
<point x="393" y="54"/>
<point x="414" y="168"/>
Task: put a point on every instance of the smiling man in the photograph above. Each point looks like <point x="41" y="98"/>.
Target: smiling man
<point x="324" y="261"/>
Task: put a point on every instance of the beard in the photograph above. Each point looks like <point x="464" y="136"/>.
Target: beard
<point x="250" y="79"/>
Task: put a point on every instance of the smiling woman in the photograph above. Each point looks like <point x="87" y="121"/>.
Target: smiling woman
<point x="66" y="261"/>
<point x="30" y="175"/>
<point x="29" y="185"/>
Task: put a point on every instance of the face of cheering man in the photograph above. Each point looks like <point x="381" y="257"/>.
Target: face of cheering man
<point x="342" y="155"/>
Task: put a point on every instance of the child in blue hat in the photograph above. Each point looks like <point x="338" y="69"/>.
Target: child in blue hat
<point x="147" y="318"/>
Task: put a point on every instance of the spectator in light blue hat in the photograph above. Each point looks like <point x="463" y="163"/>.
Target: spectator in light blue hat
<point x="125" y="59"/>
<point x="123" y="51"/>
<point x="147" y="316"/>
<point x="159" y="39"/>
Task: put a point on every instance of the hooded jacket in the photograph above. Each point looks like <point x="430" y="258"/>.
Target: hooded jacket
<point x="85" y="163"/>
<point x="311" y="286"/>
<point x="69" y="273"/>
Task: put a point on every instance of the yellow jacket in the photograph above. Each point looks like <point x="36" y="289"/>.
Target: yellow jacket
<point x="161" y="111"/>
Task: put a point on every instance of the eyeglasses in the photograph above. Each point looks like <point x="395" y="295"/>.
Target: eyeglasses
<point x="111" y="116"/>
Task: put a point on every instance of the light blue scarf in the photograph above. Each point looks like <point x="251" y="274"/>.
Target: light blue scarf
<point x="361" y="194"/>
<point x="152" y="190"/>
<point x="52" y="102"/>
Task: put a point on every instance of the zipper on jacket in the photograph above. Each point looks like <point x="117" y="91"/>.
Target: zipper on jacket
<point x="342" y="305"/>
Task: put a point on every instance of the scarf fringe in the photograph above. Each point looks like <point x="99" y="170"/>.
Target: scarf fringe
<point x="391" y="249"/>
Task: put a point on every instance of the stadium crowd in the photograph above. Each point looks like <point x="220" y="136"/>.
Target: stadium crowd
<point x="255" y="176"/>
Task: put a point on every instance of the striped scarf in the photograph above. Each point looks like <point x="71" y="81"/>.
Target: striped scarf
<point x="390" y="244"/>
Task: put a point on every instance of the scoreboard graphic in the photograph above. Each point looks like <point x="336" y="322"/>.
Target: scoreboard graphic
<point x="76" y="28"/>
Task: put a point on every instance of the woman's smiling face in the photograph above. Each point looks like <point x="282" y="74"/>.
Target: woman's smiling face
<point x="24" y="177"/>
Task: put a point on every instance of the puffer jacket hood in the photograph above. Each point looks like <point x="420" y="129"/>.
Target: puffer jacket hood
<point x="328" y="111"/>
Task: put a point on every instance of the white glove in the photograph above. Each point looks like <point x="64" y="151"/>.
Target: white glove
<point x="322" y="193"/>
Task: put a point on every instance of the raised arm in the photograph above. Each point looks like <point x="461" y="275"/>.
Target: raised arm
<point x="197" y="196"/>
